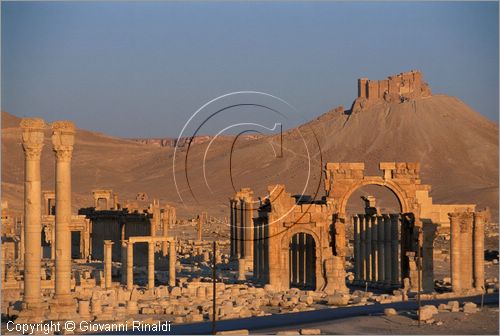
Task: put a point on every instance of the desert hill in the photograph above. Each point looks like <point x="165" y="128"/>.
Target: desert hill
<point x="457" y="147"/>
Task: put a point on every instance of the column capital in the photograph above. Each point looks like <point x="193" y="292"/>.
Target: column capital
<point x="32" y="137"/>
<point x="63" y="139"/>
<point x="108" y="242"/>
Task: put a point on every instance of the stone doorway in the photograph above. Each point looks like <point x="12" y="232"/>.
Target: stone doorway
<point x="302" y="258"/>
<point x="75" y="245"/>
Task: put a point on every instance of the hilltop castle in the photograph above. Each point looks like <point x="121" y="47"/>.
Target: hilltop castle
<point x="396" y="88"/>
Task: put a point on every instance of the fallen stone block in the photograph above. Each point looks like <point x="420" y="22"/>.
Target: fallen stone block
<point x="426" y="312"/>
<point x="470" y="308"/>
<point x="310" y="331"/>
<point x="338" y="299"/>
<point x="454" y="306"/>
<point x="390" y="312"/>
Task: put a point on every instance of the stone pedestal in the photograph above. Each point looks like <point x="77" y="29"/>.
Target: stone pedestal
<point x="241" y="269"/>
<point x="84" y="310"/>
<point x="32" y="142"/>
<point x="96" y="307"/>
<point x="63" y="140"/>
<point x="335" y="275"/>
<point x="132" y="307"/>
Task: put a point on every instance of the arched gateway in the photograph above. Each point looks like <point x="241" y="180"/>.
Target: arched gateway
<point x="301" y="241"/>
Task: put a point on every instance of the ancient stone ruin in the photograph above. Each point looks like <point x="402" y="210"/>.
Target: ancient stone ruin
<point x="283" y="253"/>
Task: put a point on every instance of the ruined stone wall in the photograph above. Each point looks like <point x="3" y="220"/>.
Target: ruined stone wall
<point x="396" y="88"/>
<point x="108" y="225"/>
<point x="406" y="83"/>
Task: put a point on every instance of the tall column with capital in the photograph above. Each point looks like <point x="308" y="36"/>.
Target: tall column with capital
<point x="32" y="141"/>
<point x="63" y="133"/>
<point x="108" y="263"/>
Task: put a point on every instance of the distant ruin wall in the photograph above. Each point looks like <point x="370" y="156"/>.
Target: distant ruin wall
<point x="396" y="88"/>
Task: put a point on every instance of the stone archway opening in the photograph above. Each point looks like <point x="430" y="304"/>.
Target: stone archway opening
<point x="374" y="235"/>
<point x="302" y="259"/>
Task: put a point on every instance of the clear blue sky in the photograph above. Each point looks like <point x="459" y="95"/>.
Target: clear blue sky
<point x="141" y="69"/>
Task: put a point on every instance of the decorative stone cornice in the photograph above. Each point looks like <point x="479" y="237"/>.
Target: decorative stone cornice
<point x="63" y="138"/>
<point x="32" y="137"/>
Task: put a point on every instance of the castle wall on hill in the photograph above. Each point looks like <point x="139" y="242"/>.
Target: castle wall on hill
<point x="405" y="83"/>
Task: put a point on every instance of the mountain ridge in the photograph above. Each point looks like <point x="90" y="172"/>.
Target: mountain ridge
<point x="457" y="148"/>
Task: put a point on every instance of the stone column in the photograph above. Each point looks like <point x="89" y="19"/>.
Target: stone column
<point x="166" y="222"/>
<point x="368" y="251"/>
<point x="479" y="220"/>
<point x="53" y="243"/>
<point x="357" y="248"/>
<point x="380" y="250"/>
<point x="123" y="279"/>
<point x="63" y="133"/>
<point x="172" y="258"/>
<point x="151" y="265"/>
<point x="32" y="142"/>
<point x="248" y="213"/>
<point x="108" y="263"/>
<point x="373" y="219"/>
<point x="395" y="249"/>
<point x="466" y="250"/>
<point x="427" y="259"/>
<point x="130" y="265"/>
<point x="387" y="251"/>
<point x="362" y="250"/>
<point x="455" y="251"/>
